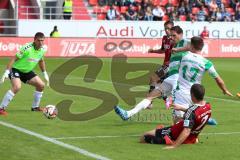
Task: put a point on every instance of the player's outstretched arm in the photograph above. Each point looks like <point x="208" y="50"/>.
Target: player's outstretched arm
<point x="181" y="138"/>
<point x="7" y="71"/>
<point x="222" y="86"/>
<point x="159" y="51"/>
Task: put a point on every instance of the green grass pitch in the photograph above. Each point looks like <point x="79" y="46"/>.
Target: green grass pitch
<point x="221" y="143"/>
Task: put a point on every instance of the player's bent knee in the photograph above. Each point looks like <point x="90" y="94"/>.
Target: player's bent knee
<point x="16" y="88"/>
<point x="40" y="86"/>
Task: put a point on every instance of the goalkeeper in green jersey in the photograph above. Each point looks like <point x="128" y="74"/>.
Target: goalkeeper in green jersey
<point x="20" y="69"/>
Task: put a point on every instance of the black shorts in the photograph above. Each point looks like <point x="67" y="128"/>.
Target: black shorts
<point x="24" y="77"/>
<point x="162" y="72"/>
<point x="159" y="136"/>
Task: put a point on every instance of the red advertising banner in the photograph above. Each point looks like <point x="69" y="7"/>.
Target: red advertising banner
<point x="73" y="47"/>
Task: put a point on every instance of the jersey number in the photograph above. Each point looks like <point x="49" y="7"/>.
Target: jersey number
<point x="194" y="72"/>
<point x="203" y="121"/>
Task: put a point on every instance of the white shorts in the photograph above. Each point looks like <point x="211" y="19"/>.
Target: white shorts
<point x="168" y="85"/>
<point x="182" y="98"/>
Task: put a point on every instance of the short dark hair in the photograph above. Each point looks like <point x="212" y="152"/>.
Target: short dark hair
<point x="198" y="91"/>
<point x="177" y="29"/>
<point x="169" y="22"/>
<point x="197" y="43"/>
<point x="39" y="35"/>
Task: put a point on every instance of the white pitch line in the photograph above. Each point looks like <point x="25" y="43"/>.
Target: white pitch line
<point x="221" y="99"/>
<point x="54" y="141"/>
<point x="92" y="137"/>
<point x="120" y="136"/>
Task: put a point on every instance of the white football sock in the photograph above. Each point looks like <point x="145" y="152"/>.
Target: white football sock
<point x="141" y="105"/>
<point x="37" y="98"/>
<point x="7" y="99"/>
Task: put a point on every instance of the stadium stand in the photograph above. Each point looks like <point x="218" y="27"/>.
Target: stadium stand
<point x="28" y="10"/>
<point x="80" y="11"/>
<point x="183" y="10"/>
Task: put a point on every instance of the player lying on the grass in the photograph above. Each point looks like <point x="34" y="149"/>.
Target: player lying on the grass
<point x="166" y="48"/>
<point x="169" y="83"/>
<point x="20" y="68"/>
<point x="187" y="130"/>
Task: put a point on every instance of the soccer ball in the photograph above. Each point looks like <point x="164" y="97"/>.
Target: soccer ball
<point x="50" y="111"/>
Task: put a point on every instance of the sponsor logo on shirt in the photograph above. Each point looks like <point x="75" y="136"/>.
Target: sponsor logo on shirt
<point x="33" y="60"/>
<point x="186" y="123"/>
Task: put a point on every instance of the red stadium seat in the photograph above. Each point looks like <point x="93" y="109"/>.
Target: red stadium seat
<point x="206" y="11"/>
<point x="163" y="3"/>
<point x="96" y="9"/>
<point x="226" y="3"/>
<point x="182" y="18"/>
<point x="116" y="8"/>
<point x="1" y="25"/>
<point x="93" y="2"/>
<point x="195" y="10"/>
<point x="230" y="10"/>
<point x="165" y="18"/>
<point x="123" y="9"/>
<point x="175" y="3"/>
<point x="138" y="1"/>
<point x="4" y="4"/>
<point x="104" y="9"/>
<point x="101" y="16"/>
<point x="156" y="2"/>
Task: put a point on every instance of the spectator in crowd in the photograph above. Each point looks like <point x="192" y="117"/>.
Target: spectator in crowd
<point x="205" y="33"/>
<point x="195" y="3"/>
<point x="173" y="17"/>
<point x="141" y="13"/>
<point x="145" y="4"/>
<point x="129" y="3"/>
<point x="67" y="9"/>
<point x="219" y="4"/>
<point x="201" y="15"/>
<point x="227" y="16"/>
<point x="237" y="16"/>
<point x="157" y="13"/>
<point x="169" y="7"/>
<point x="212" y="7"/>
<point x="207" y="2"/>
<point x="131" y="14"/>
<point x="219" y="15"/>
<point x="148" y="14"/>
<point x="112" y="14"/>
<point x="182" y="9"/>
<point x="55" y="33"/>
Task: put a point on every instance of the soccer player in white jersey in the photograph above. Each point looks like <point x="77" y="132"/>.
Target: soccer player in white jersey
<point x="20" y="69"/>
<point x="192" y="68"/>
<point x="165" y="88"/>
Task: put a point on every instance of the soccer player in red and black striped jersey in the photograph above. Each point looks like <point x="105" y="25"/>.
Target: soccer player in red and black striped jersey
<point x="187" y="130"/>
<point x="166" y="48"/>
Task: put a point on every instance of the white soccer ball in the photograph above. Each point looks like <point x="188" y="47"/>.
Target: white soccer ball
<point x="50" y="111"/>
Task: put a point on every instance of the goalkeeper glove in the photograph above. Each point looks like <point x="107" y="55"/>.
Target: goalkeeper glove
<point x="45" y="75"/>
<point x="5" y="75"/>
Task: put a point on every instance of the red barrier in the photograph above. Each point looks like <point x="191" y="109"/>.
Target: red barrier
<point x="72" y="47"/>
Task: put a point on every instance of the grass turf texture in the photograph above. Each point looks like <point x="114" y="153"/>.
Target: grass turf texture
<point x="16" y="145"/>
